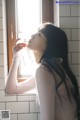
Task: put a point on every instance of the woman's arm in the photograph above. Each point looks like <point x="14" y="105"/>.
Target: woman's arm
<point x="11" y="81"/>
<point x="12" y="86"/>
<point x="46" y="90"/>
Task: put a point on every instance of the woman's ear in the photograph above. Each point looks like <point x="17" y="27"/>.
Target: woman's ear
<point x="60" y="60"/>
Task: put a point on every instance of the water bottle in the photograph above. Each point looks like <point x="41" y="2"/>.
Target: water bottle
<point x="25" y="68"/>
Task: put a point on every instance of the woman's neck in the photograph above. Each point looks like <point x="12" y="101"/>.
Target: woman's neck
<point x="37" y="55"/>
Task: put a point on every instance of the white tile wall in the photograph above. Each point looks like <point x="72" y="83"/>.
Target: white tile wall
<point x="70" y="22"/>
<point x="4" y="97"/>
<point x="76" y="58"/>
<point x="1" y="48"/>
<point x="75" y="34"/>
<point x="1" y="72"/>
<point x="75" y="10"/>
<point x="64" y="10"/>
<point x="76" y="69"/>
<point x="27" y="116"/>
<point x="27" y="98"/>
<point x="1" y="35"/>
<point x="13" y="116"/>
<point x="24" y="107"/>
<point x="0" y="11"/>
<point x="2" y="84"/>
<point x="2" y="106"/>
<point x="1" y="23"/>
<point x="34" y="107"/>
<point x="1" y="60"/>
<point x="18" y="107"/>
<point x="0" y="2"/>
<point x="74" y="46"/>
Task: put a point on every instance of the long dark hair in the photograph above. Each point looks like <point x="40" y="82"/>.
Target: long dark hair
<point x="57" y="48"/>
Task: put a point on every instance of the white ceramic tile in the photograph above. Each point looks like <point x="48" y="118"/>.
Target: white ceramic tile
<point x="74" y="46"/>
<point x="1" y="23"/>
<point x="64" y="10"/>
<point x="75" y="69"/>
<point x="76" y="58"/>
<point x="5" y="69"/>
<point x="4" y="97"/>
<point x="2" y="106"/>
<point x="75" y="34"/>
<point x="1" y="60"/>
<point x="1" y="72"/>
<point x="27" y="98"/>
<point x="18" y="107"/>
<point x="75" y="10"/>
<point x="1" y="48"/>
<point x="0" y="2"/>
<point x="34" y="107"/>
<point x="70" y="22"/>
<point x="0" y="11"/>
<point x="1" y="35"/>
<point x="2" y="84"/>
<point x="68" y="34"/>
<point x="27" y="116"/>
<point x="13" y="116"/>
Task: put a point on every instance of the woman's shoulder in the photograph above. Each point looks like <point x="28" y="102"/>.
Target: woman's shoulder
<point x="41" y="68"/>
<point x="43" y="72"/>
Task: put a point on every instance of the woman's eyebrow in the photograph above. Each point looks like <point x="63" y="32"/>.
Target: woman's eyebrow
<point x="33" y="35"/>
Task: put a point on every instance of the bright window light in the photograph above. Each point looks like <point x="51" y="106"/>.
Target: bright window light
<point x="29" y="16"/>
<point x="28" y="20"/>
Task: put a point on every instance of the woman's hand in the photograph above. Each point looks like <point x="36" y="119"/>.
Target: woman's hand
<point x="17" y="48"/>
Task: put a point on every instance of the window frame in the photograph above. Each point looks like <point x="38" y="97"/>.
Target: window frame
<point x="11" y="29"/>
<point x="47" y="16"/>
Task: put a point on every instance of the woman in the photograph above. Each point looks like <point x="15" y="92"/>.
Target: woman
<point x="56" y="84"/>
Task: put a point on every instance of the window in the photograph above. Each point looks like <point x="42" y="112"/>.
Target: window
<point x="21" y="14"/>
<point x="29" y="17"/>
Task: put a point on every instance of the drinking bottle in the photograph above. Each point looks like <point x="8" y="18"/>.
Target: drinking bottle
<point x="25" y="60"/>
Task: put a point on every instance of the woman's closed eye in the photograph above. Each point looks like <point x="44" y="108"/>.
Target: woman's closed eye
<point x="35" y="35"/>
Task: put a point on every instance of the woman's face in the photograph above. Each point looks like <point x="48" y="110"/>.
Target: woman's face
<point x="37" y="42"/>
